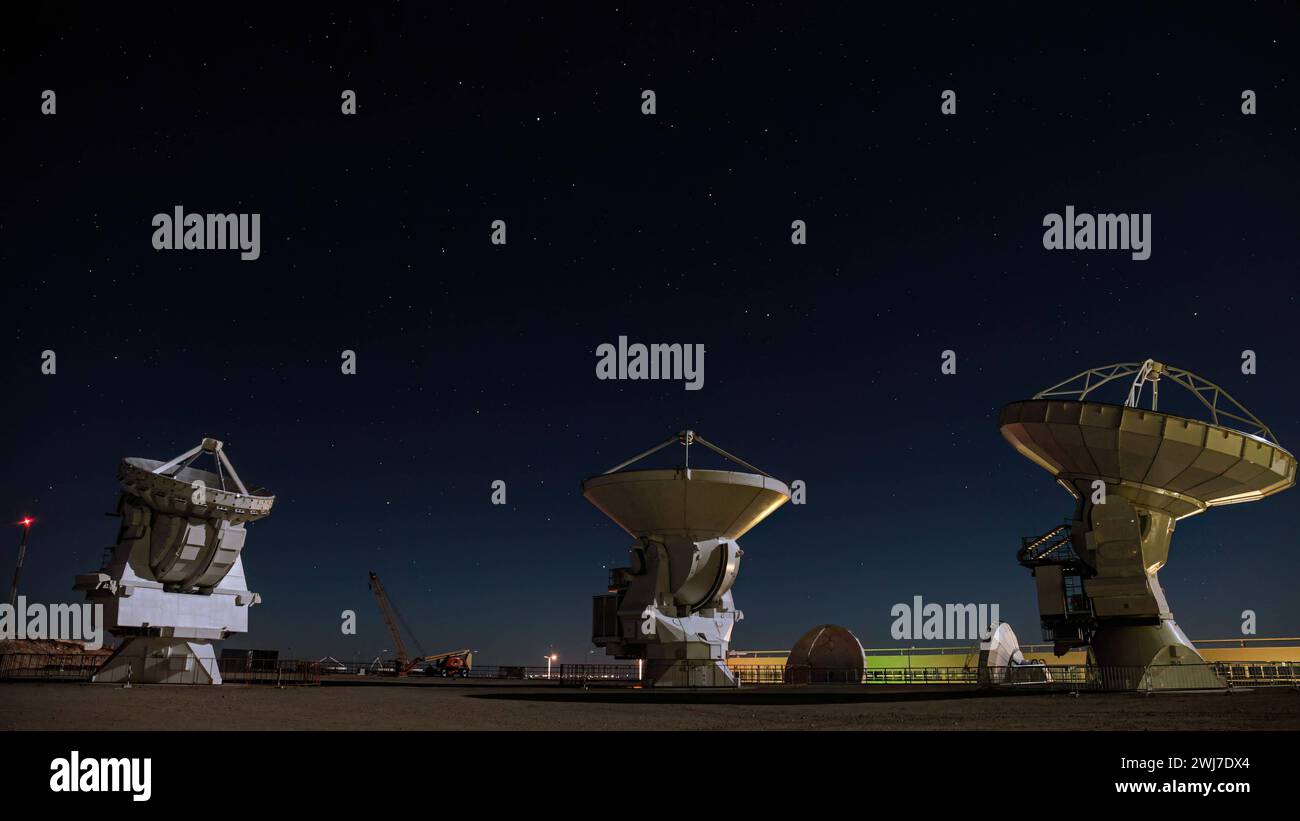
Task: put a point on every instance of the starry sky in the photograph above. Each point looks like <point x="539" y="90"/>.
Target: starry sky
<point x="476" y="362"/>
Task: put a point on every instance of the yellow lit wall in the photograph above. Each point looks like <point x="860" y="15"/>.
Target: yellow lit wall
<point x="1228" y="651"/>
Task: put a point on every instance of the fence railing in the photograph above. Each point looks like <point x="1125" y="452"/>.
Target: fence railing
<point x="53" y="666"/>
<point x="558" y="673"/>
<point x="1260" y="674"/>
<point x="1058" y="677"/>
<point x="280" y="672"/>
<point x="1078" y="678"/>
<point x="780" y="674"/>
<point x="175" y="670"/>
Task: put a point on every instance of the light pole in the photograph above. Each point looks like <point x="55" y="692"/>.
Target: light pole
<point x="26" y="522"/>
<point x="550" y="658"/>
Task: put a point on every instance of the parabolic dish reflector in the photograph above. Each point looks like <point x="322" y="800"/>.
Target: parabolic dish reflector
<point x="1001" y="649"/>
<point x="1164" y="462"/>
<point x="174" y="493"/>
<point x="703" y="504"/>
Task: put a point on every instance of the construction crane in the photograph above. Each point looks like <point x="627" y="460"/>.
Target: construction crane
<point x="450" y="664"/>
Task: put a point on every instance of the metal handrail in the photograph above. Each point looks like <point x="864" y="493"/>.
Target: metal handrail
<point x="1075" y="677"/>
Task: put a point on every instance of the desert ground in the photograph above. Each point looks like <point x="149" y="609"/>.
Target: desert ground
<point x="481" y="706"/>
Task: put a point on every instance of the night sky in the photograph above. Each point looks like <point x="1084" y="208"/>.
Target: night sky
<point x="476" y="362"/>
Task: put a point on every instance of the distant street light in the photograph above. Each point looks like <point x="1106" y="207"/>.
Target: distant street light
<point x="550" y="658"/>
<point x="26" y="523"/>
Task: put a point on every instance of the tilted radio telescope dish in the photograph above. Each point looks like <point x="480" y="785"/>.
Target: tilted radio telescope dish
<point x="1002" y="662"/>
<point x="1134" y="472"/>
<point x="672" y="606"/>
<point x="1170" y="463"/>
<point x="174" y="582"/>
<point x="1001" y="648"/>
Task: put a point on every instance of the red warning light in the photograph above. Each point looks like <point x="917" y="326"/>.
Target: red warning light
<point x="27" y="521"/>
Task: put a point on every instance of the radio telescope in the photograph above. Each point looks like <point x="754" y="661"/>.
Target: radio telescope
<point x="1134" y="473"/>
<point x="672" y="606"/>
<point x="174" y="582"/>
<point x="1002" y="662"/>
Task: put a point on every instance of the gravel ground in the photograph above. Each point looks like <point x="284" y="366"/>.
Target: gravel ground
<point x="441" y="706"/>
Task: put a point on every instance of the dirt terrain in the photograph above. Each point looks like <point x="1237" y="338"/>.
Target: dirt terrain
<point x="49" y="647"/>
<point x="441" y="706"/>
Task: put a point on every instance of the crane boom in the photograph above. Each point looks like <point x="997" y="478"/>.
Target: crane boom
<point x="451" y="664"/>
<point x="377" y="587"/>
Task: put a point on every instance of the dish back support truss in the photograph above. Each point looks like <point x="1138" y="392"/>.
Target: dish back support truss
<point x="1218" y="402"/>
<point x="687" y="438"/>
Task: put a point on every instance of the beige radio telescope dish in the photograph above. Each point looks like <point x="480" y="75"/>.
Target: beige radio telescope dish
<point x="1169" y="463"/>
<point x="1134" y="472"/>
<point x="672" y="605"/>
<point x="174" y="582"/>
<point x="1002" y="662"/>
<point x="704" y="504"/>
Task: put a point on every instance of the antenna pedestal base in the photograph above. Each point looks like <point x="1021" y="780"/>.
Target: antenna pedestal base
<point x="689" y="651"/>
<point x="156" y="660"/>
<point x="1098" y="586"/>
<point x="673" y="608"/>
<point x="1151" y="657"/>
